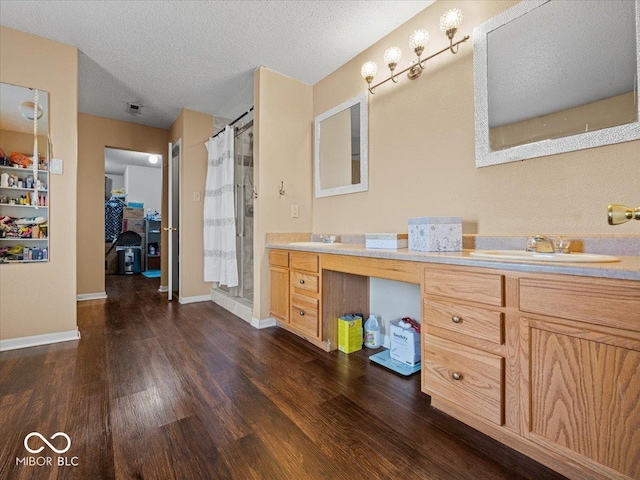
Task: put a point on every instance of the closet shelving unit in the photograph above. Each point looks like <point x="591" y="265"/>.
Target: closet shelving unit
<point x="38" y="247"/>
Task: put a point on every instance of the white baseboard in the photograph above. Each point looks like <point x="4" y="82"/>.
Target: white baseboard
<point x="81" y="297"/>
<point x="163" y="288"/>
<point x="195" y="299"/>
<point x="35" y="340"/>
<point x="245" y="312"/>
<point x="264" y="323"/>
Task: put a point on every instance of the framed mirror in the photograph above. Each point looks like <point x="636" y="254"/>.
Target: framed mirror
<point x="556" y="76"/>
<point x="341" y="163"/>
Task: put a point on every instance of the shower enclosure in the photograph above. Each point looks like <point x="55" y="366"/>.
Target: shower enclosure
<point x="244" y="196"/>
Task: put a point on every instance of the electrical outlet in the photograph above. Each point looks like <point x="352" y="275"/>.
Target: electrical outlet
<point x="294" y="211"/>
<point x="196" y="196"/>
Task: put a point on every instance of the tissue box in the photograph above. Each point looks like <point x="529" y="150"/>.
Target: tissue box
<point x="349" y="333"/>
<point x="405" y="344"/>
<point x="386" y="240"/>
<point x="435" y="234"/>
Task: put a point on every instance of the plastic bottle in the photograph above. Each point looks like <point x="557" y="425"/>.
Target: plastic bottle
<point x="372" y="333"/>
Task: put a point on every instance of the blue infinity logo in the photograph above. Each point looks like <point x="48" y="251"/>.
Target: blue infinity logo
<point x="38" y="450"/>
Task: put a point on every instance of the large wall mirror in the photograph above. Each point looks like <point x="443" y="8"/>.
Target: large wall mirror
<point x="341" y="149"/>
<point x="556" y="76"/>
<point x="24" y="176"/>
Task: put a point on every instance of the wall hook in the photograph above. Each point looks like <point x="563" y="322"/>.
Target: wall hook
<point x="281" y="188"/>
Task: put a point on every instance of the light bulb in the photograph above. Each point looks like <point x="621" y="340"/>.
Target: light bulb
<point x="418" y="41"/>
<point x="451" y="20"/>
<point x="153" y="159"/>
<point x="392" y="56"/>
<point x="369" y="71"/>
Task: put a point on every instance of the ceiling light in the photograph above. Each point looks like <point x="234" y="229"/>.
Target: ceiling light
<point x="153" y="159"/>
<point x="29" y="109"/>
<point x="450" y="22"/>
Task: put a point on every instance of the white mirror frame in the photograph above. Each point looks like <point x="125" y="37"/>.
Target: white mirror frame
<point x="363" y="186"/>
<point x="484" y="156"/>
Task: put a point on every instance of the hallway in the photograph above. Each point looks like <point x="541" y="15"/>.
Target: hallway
<point x="160" y="391"/>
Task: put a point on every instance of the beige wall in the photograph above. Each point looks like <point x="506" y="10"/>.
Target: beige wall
<point x="421" y="153"/>
<point x="94" y="135"/>
<point x="283" y="127"/>
<point x="194" y="129"/>
<point x="610" y="112"/>
<point x="38" y="299"/>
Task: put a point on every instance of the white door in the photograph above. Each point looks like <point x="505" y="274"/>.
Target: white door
<point x="173" y="220"/>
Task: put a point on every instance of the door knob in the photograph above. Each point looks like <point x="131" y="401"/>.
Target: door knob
<point x="170" y="229"/>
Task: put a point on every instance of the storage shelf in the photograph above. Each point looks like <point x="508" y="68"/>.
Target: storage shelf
<point x="24" y="261"/>
<point x="8" y="205"/>
<point x="22" y="190"/>
<point x="27" y="170"/>
<point x="13" y="239"/>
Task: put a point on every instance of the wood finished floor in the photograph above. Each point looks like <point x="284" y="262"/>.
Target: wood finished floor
<point x="160" y="391"/>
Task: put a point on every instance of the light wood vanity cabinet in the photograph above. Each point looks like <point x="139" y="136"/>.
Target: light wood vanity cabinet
<point x="563" y="351"/>
<point x="582" y="387"/>
<point x="462" y="354"/>
<point x="295" y="291"/>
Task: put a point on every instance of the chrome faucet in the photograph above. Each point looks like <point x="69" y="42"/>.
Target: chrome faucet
<point x="542" y="244"/>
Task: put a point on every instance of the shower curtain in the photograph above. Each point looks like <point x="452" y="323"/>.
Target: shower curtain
<point x="220" y="264"/>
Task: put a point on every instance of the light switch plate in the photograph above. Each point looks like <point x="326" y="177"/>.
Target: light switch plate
<point x="294" y="211"/>
<point x="55" y="166"/>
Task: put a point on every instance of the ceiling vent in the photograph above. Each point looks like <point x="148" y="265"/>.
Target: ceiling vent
<point x="134" y="108"/>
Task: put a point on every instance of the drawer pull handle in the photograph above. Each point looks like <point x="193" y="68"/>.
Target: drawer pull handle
<point x="456" y="376"/>
<point x="301" y="313"/>
<point x="301" y="282"/>
<point x="456" y="319"/>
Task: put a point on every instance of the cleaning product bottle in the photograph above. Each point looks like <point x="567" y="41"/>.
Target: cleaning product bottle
<point x="372" y="332"/>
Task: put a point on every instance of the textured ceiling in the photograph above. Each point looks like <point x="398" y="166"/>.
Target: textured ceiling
<point x="561" y="55"/>
<point x="116" y="161"/>
<point x="201" y="55"/>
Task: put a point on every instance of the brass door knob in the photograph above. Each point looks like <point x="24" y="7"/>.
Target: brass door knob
<point x="456" y="376"/>
<point x="617" y="214"/>
<point x="170" y="229"/>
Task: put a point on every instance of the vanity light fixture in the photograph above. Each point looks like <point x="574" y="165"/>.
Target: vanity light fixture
<point x="153" y="159"/>
<point x="450" y="22"/>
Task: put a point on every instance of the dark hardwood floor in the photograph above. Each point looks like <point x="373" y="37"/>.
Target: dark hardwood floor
<point x="160" y="391"/>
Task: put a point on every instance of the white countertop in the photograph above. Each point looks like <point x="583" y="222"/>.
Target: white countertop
<point x="628" y="268"/>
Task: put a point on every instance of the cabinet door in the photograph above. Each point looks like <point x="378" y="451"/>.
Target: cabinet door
<point x="279" y="282"/>
<point x="584" y="395"/>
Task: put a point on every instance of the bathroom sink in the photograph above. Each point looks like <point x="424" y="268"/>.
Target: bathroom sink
<point x="314" y="244"/>
<point x="543" y="257"/>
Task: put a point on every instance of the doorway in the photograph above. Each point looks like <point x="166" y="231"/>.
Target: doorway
<point x="133" y="198"/>
<point x="173" y="224"/>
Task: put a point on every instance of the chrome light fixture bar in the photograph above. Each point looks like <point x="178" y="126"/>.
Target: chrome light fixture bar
<point x="450" y="22"/>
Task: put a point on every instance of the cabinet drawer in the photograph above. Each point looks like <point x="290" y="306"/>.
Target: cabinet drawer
<point x="304" y="314"/>
<point x="487" y="288"/>
<point x="278" y="258"/>
<point x="614" y="303"/>
<point x="478" y="387"/>
<point x="464" y="319"/>
<point x="303" y="281"/>
<point x="304" y="261"/>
